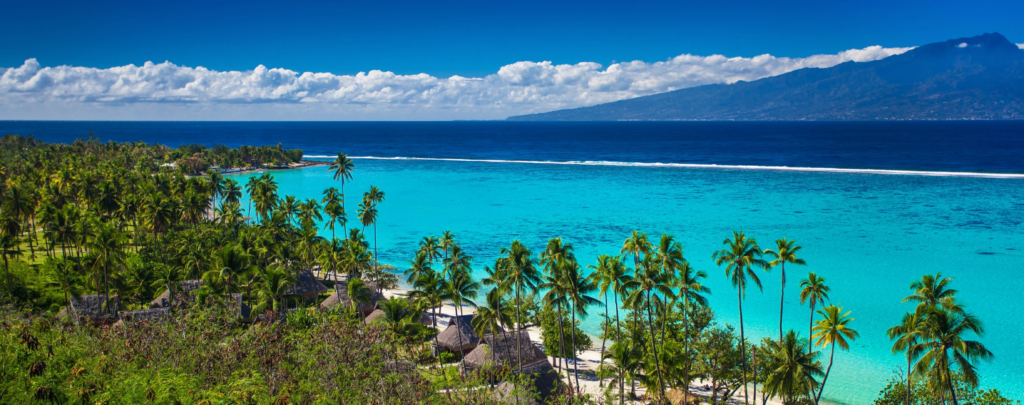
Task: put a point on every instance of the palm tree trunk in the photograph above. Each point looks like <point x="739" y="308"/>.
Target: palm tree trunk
<point x="618" y="339"/>
<point x="810" y="329"/>
<point x="949" y="382"/>
<point x="686" y="349"/>
<point x="743" y="344"/>
<point x="462" y="350"/>
<point x="908" y="379"/>
<point x="782" y="299"/>
<point x="519" y="324"/>
<point x="7" y="272"/>
<point x="561" y="349"/>
<point x="437" y="344"/>
<point x="604" y="337"/>
<point x="575" y="363"/>
<point x="344" y="226"/>
<point x="829" y="369"/>
<point x="654" y="346"/>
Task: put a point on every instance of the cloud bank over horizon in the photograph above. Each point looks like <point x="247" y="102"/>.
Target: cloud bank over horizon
<point x="166" y="91"/>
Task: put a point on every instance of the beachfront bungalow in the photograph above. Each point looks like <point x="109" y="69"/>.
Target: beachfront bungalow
<point x="307" y="286"/>
<point x="543" y="384"/>
<point x="501" y="352"/>
<point x="340" y="297"/>
<point x="458" y="337"/>
<point x="93" y="306"/>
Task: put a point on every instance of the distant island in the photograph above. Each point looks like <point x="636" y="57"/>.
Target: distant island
<point x="976" y="78"/>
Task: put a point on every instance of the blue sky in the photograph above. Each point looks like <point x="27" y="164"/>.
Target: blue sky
<point x="470" y="38"/>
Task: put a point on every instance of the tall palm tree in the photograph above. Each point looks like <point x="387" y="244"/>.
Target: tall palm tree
<point x="232" y="192"/>
<point x="9" y="249"/>
<point x="447" y="241"/>
<point x="690" y="290"/>
<point x="740" y="257"/>
<point x="814" y="291"/>
<point x="906" y="335"/>
<point x="522" y="275"/>
<point x="417" y="267"/>
<point x="342" y="168"/>
<point x="332" y="207"/>
<point x="784" y="252"/>
<point x="107" y="249"/>
<point x="834" y="329"/>
<point x="649" y="280"/>
<point x="430" y="247"/>
<point x="490" y="318"/>
<point x="636" y="244"/>
<point x="946" y="346"/>
<point x="579" y="289"/>
<point x="796" y="372"/>
<point x="932" y="292"/>
<point x="610" y="275"/>
<point x="431" y="288"/>
<point x="462" y="290"/>
<point x="555" y="299"/>
<point x="232" y="262"/>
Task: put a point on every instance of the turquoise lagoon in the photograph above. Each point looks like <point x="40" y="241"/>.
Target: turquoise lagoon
<point x="869" y="235"/>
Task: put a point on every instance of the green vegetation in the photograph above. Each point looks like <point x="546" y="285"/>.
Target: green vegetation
<point x="113" y="222"/>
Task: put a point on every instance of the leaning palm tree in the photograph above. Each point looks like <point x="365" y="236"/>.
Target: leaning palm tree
<point x="784" y="252"/>
<point x="417" y="267"/>
<point x="834" y="329"/>
<point x="946" y="346"/>
<point x="906" y="335"/>
<point x="813" y="290"/>
<point x="796" y="371"/>
<point x="740" y="257"/>
<point x="342" y="168"/>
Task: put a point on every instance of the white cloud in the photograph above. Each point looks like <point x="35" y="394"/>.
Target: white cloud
<point x="962" y="45"/>
<point x="169" y="91"/>
<point x="1021" y="46"/>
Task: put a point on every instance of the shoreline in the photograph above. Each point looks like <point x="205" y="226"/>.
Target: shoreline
<point x="588" y="360"/>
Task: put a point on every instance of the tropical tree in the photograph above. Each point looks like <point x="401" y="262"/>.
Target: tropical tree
<point x="905" y="337"/>
<point x="342" y="168"/>
<point x="273" y="290"/>
<point x="740" y="257"/>
<point x="358" y="293"/>
<point x="833" y="330"/>
<point x="522" y="275"/>
<point x="946" y="346"/>
<point x="690" y="290"/>
<point x="933" y="292"/>
<point x="785" y="252"/>
<point x="647" y="280"/>
<point x="813" y="291"/>
<point x="462" y="290"/>
<point x="796" y="371"/>
<point x="579" y="289"/>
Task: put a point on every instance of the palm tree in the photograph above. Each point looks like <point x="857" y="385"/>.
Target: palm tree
<point x="332" y="207"/>
<point x="169" y="277"/>
<point x="430" y="247"/>
<point x="417" y="267"/>
<point x="430" y="287"/>
<point x="813" y="290"/>
<point x="447" y="241"/>
<point x="107" y="249"/>
<point x="609" y="275"/>
<point x="522" y="275"/>
<point x="906" y="335"/>
<point x="342" y="168"/>
<point x="740" y="256"/>
<point x="834" y="329"/>
<point x="232" y="192"/>
<point x="250" y="188"/>
<point x="946" y="346"/>
<point x="579" y="289"/>
<point x="932" y="292"/>
<point x="273" y="290"/>
<point x="690" y="290"/>
<point x="555" y="299"/>
<point x="490" y="318"/>
<point x="358" y="293"/>
<point x="796" y="371"/>
<point x="620" y="360"/>
<point x="648" y="280"/>
<point x="9" y="249"/>
<point x="461" y="291"/>
<point x="636" y="244"/>
<point x="784" y="252"/>
<point x="232" y="261"/>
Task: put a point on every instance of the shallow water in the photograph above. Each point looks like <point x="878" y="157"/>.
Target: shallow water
<point x="869" y="235"/>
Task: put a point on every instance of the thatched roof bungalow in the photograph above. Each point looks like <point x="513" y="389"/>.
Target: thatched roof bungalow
<point x="502" y="351"/>
<point x="182" y="296"/>
<point x="92" y="306"/>
<point x="545" y="384"/>
<point x="379" y="314"/>
<point x="307" y="286"/>
<point x="340" y="297"/>
<point x="459" y="336"/>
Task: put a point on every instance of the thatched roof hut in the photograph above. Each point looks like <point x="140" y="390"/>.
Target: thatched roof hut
<point x="91" y="306"/>
<point x="502" y="351"/>
<point x="675" y="397"/>
<point x="545" y="384"/>
<point x="306" y="285"/>
<point x="459" y="336"/>
<point x="379" y="314"/>
<point x="182" y="296"/>
<point x="340" y="297"/>
<point x="144" y="314"/>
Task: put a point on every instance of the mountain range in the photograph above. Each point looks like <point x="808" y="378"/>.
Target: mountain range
<point x="979" y="77"/>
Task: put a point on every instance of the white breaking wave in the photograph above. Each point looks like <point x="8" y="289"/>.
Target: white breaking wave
<point x="700" y="166"/>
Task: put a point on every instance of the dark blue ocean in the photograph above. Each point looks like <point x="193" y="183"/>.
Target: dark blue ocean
<point x="933" y="146"/>
<point x="868" y="234"/>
